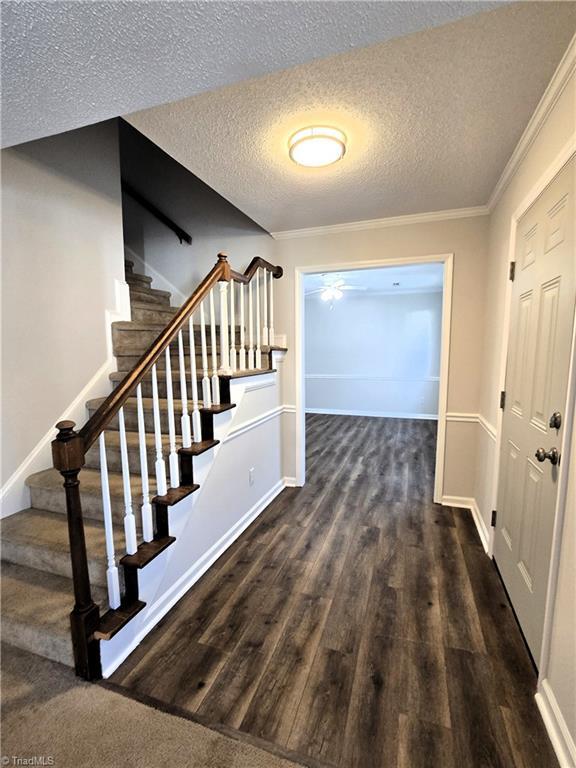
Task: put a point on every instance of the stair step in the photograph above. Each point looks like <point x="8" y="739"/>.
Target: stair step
<point x="138" y="281"/>
<point x="144" y="311"/>
<point x="149" y="295"/>
<point x="114" y="458"/>
<point x="47" y="493"/>
<point x="36" y="609"/>
<point x="117" y="376"/>
<point x="131" y="413"/>
<point x="131" y="337"/>
<point x="114" y="620"/>
<point x="197" y="448"/>
<point x="113" y="455"/>
<point x="175" y="495"/>
<point x="38" y="539"/>
<point x="126" y="361"/>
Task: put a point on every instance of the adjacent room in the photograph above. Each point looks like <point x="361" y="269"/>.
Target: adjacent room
<point x="373" y="341"/>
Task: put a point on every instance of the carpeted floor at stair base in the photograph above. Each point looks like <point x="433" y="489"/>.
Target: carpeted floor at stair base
<point x="50" y="715"/>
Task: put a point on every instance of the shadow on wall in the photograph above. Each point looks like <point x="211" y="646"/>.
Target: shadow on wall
<point x="214" y="223"/>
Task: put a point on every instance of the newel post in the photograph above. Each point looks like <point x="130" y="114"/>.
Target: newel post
<point x="223" y="259"/>
<point x="68" y="458"/>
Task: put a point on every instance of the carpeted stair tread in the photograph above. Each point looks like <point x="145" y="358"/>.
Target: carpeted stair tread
<point x="35" y="611"/>
<point x="37" y="538"/>
<point x="51" y="479"/>
<point x="131" y="404"/>
<point x="117" y="376"/>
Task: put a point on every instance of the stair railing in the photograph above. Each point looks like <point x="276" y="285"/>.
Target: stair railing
<point x="147" y="534"/>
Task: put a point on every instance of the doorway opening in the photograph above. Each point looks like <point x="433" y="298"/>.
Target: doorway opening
<point x="373" y="342"/>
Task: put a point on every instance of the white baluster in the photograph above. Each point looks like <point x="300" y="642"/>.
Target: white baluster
<point x="232" y="329"/>
<point x="206" y="396"/>
<point x="242" y="354"/>
<point x="271" y="326"/>
<point x="112" y="578"/>
<point x="196" y="425"/>
<point x="185" y="420"/>
<point x="215" y="379"/>
<point x="265" y="326"/>
<point x="224" y="340"/>
<point x="173" y="456"/>
<point x="250" y="329"/>
<point x="159" y="466"/>
<point x="258" y="327"/>
<point x="129" y="519"/>
<point x="147" y="523"/>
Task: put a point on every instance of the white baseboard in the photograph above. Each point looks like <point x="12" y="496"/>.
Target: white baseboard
<point x="290" y="482"/>
<point x="557" y="728"/>
<point x="378" y="414"/>
<point x="468" y="502"/>
<point x="195" y="572"/>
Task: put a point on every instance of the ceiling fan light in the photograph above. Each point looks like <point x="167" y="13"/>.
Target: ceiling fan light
<point x="317" y="146"/>
<point x="330" y="294"/>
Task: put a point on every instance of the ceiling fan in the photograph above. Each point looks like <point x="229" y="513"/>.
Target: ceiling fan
<point x="334" y="287"/>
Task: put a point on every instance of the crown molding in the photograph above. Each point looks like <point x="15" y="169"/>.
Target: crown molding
<point x="560" y="78"/>
<point x="392" y="221"/>
<point x="564" y="71"/>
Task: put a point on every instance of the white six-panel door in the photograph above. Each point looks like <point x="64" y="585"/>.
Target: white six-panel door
<point x="542" y="318"/>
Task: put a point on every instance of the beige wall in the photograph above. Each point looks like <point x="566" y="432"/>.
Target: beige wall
<point x="61" y="255"/>
<point x="559" y="127"/>
<point x="467" y="239"/>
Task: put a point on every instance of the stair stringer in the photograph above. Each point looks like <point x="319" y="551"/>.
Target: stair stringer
<point x="206" y="523"/>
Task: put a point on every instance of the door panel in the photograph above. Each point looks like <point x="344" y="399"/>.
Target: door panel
<point x="542" y="316"/>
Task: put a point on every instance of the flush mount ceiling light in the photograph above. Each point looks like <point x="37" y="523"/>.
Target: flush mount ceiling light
<point x="317" y="146"/>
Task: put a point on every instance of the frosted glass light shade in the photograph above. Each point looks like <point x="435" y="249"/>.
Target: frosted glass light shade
<point x="317" y="146"/>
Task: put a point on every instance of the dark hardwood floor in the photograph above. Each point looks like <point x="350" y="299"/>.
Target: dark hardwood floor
<point x="355" y="622"/>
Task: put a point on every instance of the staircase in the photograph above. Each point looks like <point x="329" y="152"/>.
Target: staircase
<point x="38" y="578"/>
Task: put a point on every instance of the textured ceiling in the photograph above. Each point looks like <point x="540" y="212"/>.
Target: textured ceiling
<point x="431" y="119"/>
<point x="412" y="278"/>
<point x="67" y="64"/>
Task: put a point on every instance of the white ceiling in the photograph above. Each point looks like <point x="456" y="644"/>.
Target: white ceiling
<point x="431" y="119"/>
<point x="66" y="64"/>
<point x="411" y="278"/>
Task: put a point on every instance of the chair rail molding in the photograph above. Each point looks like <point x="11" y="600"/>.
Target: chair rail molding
<point x="473" y="418"/>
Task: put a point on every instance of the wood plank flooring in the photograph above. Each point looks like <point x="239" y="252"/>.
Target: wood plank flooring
<point x="355" y="623"/>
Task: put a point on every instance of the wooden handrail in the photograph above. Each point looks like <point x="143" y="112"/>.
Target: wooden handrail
<point x="252" y="268"/>
<point x="110" y="407"/>
<point x="180" y="233"/>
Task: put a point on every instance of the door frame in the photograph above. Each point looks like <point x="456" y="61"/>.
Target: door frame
<point x="447" y="260"/>
<point x="566" y="154"/>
